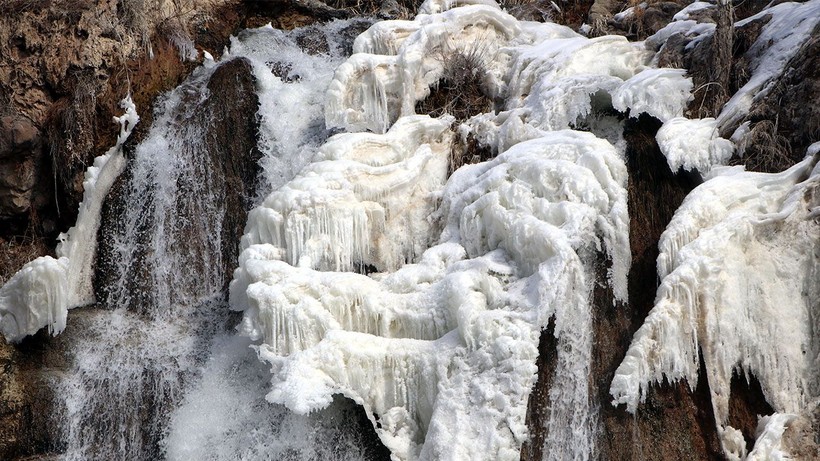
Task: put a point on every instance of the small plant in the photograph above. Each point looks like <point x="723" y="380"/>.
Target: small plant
<point x="767" y="150"/>
<point x="461" y="91"/>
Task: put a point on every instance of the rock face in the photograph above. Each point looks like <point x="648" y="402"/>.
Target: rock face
<point x="21" y="157"/>
<point x="64" y="66"/>
<point x="674" y="423"/>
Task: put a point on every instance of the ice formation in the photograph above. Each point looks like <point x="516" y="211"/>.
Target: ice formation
<point x="439" y="345"/>
<point x="364" y="202"/>
<point x="711" y="304"/>
<point x="396" y="62"/>
<point x="40" y="294"/>
<point x="693" y="144"/>
<point x="441" y="353"/>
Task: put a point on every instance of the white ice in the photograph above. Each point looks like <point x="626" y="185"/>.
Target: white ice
<point x="441" y="353"/>
<point x="693" y="144"/>
<point x="364" y="202"/>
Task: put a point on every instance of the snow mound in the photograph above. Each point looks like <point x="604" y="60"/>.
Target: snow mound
<point x="40" y="294"/>
<point x="441" y="353"/>
<point x="739" y="264"/>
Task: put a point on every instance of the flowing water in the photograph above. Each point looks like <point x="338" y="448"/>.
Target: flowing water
<point x="163" y="306"/>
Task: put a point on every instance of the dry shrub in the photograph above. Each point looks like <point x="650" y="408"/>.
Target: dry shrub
<point x="18" y="250"/>
<point x="529" y="10"/>
<point x="134" y="15"/>
<point x="393" y="9"/>
<point x="71" y="131"/>
<point x="461" y="90"/>
<point x="766" y="151"/>
<point x="22" y="6"/>
<point x="570" y="13"/>
<point x="57" y="8"/>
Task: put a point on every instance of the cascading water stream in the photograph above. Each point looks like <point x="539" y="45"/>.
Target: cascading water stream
<point x="164" y="290"/>
<point x="162" y="278"/>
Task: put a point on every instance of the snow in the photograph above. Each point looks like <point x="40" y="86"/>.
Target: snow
<point x="736" y="273"/>
<point x="689" y="28"/>
<point x="683" y="15"/>
<point x="693" y="144"/>
<point x="40" y="294"/>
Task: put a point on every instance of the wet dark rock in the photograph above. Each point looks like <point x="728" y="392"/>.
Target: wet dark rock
<point x="232" y="146"/>
<point x="230" y="140"/>
<point x="746" y="404"/>
<point x="674" y="423"/>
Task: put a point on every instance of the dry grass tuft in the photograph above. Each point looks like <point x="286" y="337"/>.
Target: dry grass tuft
<point x="461" y="91"/>
<point x="71" y="130"/>
<point x="529" y="10"/>
<point x="18" y="250"/>
<point x="766" y="151"/>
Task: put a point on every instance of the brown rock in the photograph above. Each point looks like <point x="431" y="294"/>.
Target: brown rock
<point x="20" y="156"/>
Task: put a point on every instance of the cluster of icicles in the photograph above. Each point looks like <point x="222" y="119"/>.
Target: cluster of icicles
<point x="439" y="343"/>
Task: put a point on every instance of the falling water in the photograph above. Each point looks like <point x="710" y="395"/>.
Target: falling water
<point x="162" y="306"/>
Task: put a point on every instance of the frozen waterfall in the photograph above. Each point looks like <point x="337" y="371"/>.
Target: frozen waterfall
<point x="374" y="303"/>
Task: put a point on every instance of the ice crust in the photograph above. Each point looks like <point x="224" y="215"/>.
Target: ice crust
<point x="41" y="293"/>
<point x="709" y="303"/>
